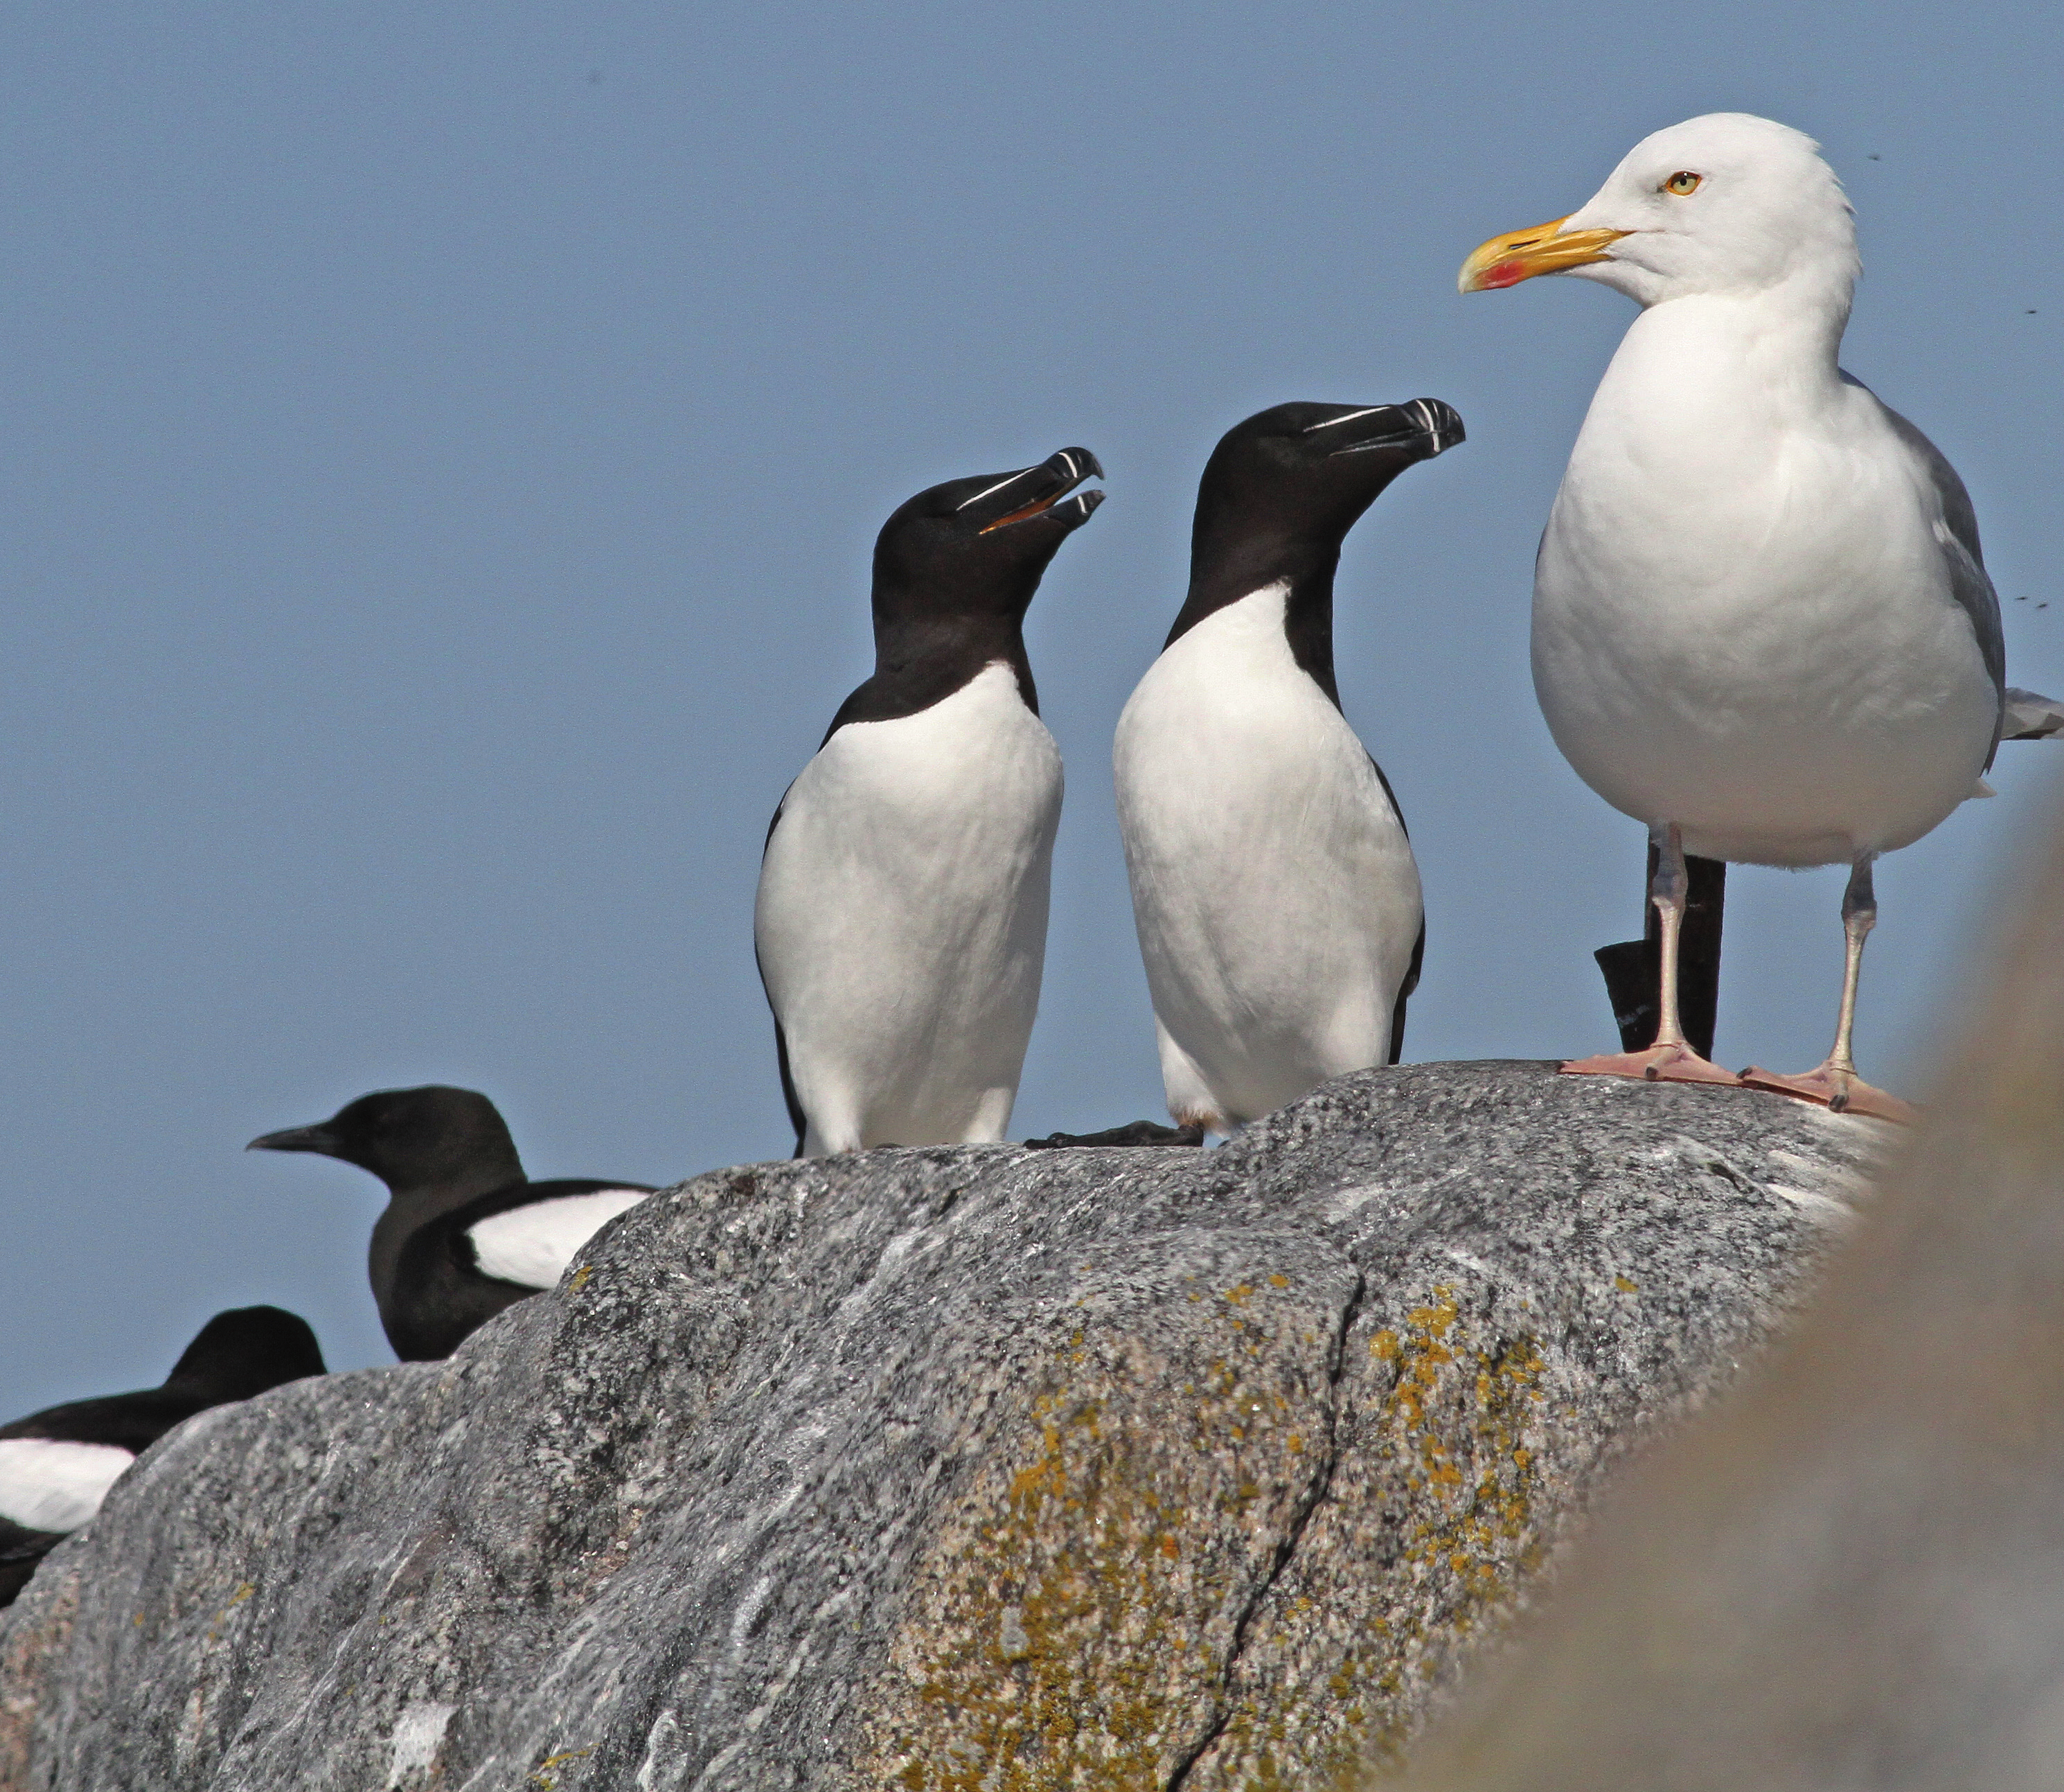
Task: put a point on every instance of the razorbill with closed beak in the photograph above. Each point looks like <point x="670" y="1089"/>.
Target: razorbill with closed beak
<point x="900" y="925"/>
<point x="56" y="1465"/>
<point x="1275" y="891"/>
<point x="465" y="1233"/>
<point x="1762" y="625"/>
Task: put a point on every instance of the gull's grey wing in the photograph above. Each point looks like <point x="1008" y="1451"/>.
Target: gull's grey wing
<point x="1968" y="583"/>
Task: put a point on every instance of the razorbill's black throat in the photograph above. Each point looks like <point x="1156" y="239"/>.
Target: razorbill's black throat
<point x="1274" y="889"/>
<point x="901" y="921"/>
<point x="465" y="1233"/>
<point x="56" y="1465"/>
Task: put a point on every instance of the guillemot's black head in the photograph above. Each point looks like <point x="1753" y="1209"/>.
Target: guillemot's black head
<point x="976" y="547"/>
<point x="246" y="1350"/>
<point x="1293" y="480"/>
<point x="413" y="1138"/>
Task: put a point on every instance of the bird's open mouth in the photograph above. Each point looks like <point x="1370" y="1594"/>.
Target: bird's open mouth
<point x="1038" y="489"/>
<point x="1424" y="422"/>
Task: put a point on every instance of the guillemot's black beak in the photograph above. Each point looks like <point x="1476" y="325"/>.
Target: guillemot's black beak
<point x="1039" y="490"/>
<point x="1424" y="424"/>
<point x="298" y="1138"/>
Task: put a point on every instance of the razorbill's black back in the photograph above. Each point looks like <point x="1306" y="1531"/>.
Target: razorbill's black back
<point x="465" y="1233"/>
<point x="901" y="921"/>
<point x="1273" y="887"/>
<point x="56" y="1465"/>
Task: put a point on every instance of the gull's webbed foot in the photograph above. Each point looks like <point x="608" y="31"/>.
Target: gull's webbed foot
<point x="1669" y="1063"/>
<point x="1140" y="1132"/>
<point x="1843" y="1091"/>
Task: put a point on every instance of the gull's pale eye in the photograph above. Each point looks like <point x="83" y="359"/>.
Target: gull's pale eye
<point x="1683" y="184"/>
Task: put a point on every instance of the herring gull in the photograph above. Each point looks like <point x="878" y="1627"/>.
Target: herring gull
<point x="1761" y="623"/>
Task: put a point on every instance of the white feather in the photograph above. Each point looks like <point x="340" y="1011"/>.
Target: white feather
<point x="532" y="1245"/>
<point x="47" y="1484"/>
<point x="1274" y="890"/>
<point x="901" y="919"/>
<point x="1746" y="618"/>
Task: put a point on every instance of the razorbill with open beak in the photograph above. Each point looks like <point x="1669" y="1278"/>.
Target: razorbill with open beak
<point x="1761" y="623"/>
<point x="56" y="1465"/>
<point x="465" y="1233"/>
<point x="1275" y="891"/>
<point x="900" y="925"/>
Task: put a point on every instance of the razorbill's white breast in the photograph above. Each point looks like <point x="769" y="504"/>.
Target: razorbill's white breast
<point x="1275" y="891"/>
<point x="901" y="920"/>
<point x="1761" y="623"/>
<point x="465" y="1233"/>
<point x="56" y="1466"/>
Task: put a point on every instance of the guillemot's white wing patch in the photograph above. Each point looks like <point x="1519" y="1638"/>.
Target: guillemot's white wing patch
<point x="48" y="1484"/>
<point x="532" y="1245"/>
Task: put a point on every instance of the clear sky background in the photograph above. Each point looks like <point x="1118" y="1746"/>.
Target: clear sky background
<point x="444" y="446"/>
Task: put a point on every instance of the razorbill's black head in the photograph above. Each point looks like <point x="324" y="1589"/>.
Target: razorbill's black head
<point x="56" y="1465"/>
<point x="465" y="1233"/>
<point x="1278" y="497"/>
<point x="955" y="570"/>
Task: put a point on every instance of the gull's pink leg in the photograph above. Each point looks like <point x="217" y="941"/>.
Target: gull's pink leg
<point x="1670" y="1059"/>
<point x="1836" y="1085"/>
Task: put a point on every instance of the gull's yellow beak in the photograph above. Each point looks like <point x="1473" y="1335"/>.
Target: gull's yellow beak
<point x="1520" y="255"/>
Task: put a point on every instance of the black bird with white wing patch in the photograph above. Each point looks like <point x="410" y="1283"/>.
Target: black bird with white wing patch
<point x="466" y="1232"/>
<point x="56" y="1465"/>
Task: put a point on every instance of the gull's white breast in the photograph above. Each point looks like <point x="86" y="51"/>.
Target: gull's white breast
<point x="901" y="920"/>
<point x="1275" y="893"/>
<point x="1743" y="616"/>
<point x="48" y="1484"/>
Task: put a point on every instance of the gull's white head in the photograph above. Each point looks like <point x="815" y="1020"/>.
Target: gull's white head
<point x="1726" y="204"/>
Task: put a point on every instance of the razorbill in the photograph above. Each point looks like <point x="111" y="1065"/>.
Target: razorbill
<point x="56" y="1465"/>
<point x="1275" y="891"/>
<point x="1761" y="623"/>
<point x="465" y="1233"/>
<point x="900" y="925"/>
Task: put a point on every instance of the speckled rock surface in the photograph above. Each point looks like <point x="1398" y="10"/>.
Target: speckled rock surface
<point x="947" y="1469"/>
<point x="1849" y="1575"/>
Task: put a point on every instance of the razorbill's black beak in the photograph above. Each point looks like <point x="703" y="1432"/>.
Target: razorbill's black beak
<point x="298" y="1138"/>
<point x="1424" y="424"/>
<point x="1038" y="489"/>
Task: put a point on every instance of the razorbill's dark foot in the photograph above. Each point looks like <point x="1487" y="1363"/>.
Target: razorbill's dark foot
<point x="1140" y="1132"/>
<point x="465" y="1233"/>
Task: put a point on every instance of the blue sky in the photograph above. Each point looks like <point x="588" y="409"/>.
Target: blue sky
<point x="444" y="446"/>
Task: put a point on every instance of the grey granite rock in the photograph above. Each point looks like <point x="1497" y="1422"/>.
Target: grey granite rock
<point x="935" y="1469"/>
<point x="1850" y="1574"/>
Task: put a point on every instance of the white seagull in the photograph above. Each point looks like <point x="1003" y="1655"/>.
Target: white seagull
<point x="1761" y="624"/>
